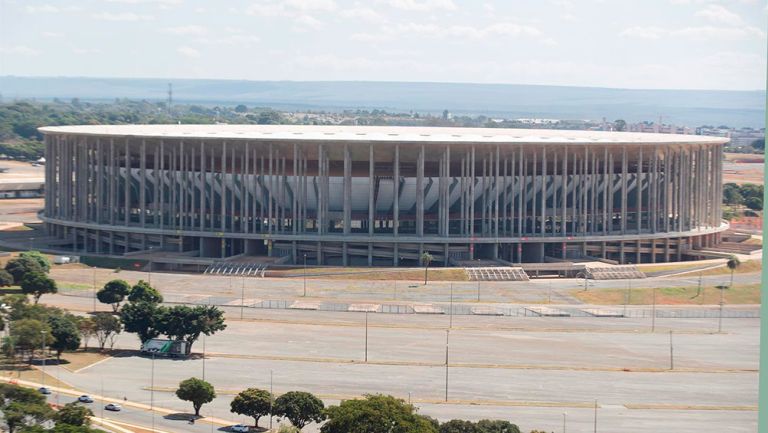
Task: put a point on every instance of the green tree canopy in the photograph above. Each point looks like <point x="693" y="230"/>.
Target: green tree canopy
<point x="74" y="414"/>
<point x="252" y="402"/>
<point x="143" y="292"/>
<point x="196" y="391"/>
<point x="496" y="426"/>
<point x="754" y="203"/>
<point x="376" y="414"/>
<point x="113" y="293"/>
<point x="106" y="327"/>
<point x="300" y="408"/>
<point x="186" y="323"/>
<point x="30" y="335"/>
<point x="22" y="407"/>
<point x="458" y="426"/>
<point x="65" y="333"/>
<point x="6" y="279"/>
<point x="37" y="256"/>
<point x="21" y="266"/>
<point x="141" y="318"/>
<point x="37" y="284"/>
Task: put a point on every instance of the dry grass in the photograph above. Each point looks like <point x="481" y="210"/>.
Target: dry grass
<point x="415" y="274"/>
<point x="81" y="359"/>
<point x="682" y="266"/>
<point x="739" y="294"/>
<point x="744" y="268"/>
<point x="25" y="372"/>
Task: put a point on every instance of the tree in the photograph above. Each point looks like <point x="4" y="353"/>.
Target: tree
<point x="620" y="125"/>
<point x="733" y="263"/>
<point x="30" y="335"/>
<point x="458" y="426"/>
<point x="186" y="323"/>
<point x="426" y="258"/>
<point x="141" y="318"/>
<point x="300" y="408"/>
<point x="37" y="284"/>
<point x="37" y="256"/>
<point x="6" y="279"/>
<point x="496" y="426"/>
<point x="376" y="414"/>
<point x="21" y="266"/>
<point x="114" y="292"/>
<point x="106" y="327"/>
<point x="751" y="190"/>
<point x="143" y="292"/>
<point x="19" y="414"/>
<point x="74" y="414"/>
<point x="758" y="144"/>
<point x="754" y="203"/>
<point x="87" y="329"/>
<point x="65" y="333"/>
<point x="241" y="109"/>
<point x="252" y="402"/>
<point x="196" y="391"/>
<point x="732" y="194"/>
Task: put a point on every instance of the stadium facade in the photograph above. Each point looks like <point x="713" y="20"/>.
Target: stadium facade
<point x="342" y="195"/>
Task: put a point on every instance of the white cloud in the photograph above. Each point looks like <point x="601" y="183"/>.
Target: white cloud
<point x="455" y="31"/>
<point x="160" y="2"/>
<point x="188" y="52"/>
<point x="186" y="30"/>
<point x="422" y="5"/>
<point x="643" y="32"/>
<point x="719" y="15"/>
<point x="307" y="22"/>
<point x="21" y="50"/>
<point x="362" y="13"/>
<point x="310" y="5"/>
<point x="719" y="33"/>
<point x="86" y="50"/>
<point x="290" y="8"/>
<point x="121" y="16"/>
<point x="43" y="9"/>
<point x="52" y="34"/>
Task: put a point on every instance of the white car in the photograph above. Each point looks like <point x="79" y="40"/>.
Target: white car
<point x="44" y="390"/>
<point x="85" y="399"/>
<point x="240" y="428"/>
<point x="114" y="407"/>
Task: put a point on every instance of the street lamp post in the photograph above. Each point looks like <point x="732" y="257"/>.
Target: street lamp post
<point x="653" y="312"/>
<point x="305" y="275"/>
<point x="94" y="289"/>
<point x="271" y="397"/>
<point x="242" y="297"/>
<point x="366" y="337"/>
<point x="720" y="317"/>
<point x="42" y="357"/>
<point x="565" y="414"/>
<point x="447" y="334"/>
<point x="671" y="352"/>
<point x="450" y="313"/>
<point x="152" y="391"/>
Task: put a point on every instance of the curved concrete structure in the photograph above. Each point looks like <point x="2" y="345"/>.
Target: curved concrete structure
<point x="382" y="195"/>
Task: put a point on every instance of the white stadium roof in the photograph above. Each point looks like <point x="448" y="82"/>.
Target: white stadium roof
<point x="381" y="134"/>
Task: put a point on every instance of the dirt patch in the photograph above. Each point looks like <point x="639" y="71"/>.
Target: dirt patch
<point x="739" y="294"/>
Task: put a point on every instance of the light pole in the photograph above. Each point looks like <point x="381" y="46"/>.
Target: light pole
<point x="152" y="391"/>
<point x="565" y="414"/>
<point x="305" y="275"/>
<point x="366" y="337"/>
<point x="671" y="352"/>
<point x="149" y="266"/>
<point x="94" y="289"/>
<point x="271" y="397"/>
<point x="242" y="297"/>
<point x="653" y="312"/>
<point x="447" y="334"/>
<point x="450" y="313"/>
<point x="595" y="416"/>
<point x="720" y="317"/>
<point x="42" y="357"/>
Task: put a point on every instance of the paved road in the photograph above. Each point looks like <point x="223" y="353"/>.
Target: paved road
<point x="527" y="370"/>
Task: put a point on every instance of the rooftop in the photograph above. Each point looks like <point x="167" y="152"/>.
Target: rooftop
<point x="380" y="134"/>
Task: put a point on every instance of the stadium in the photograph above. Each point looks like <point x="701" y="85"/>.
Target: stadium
<point x="381" y="196"/>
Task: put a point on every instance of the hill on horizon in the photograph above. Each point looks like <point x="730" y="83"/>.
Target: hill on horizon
<point x="680" y="107"/>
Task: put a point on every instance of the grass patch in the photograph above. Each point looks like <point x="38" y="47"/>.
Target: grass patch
<point x="435" y="274"/>
<point x="744" y="268"/>
<point x="739" y="294"/>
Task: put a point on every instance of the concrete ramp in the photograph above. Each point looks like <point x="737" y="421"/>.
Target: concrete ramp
<point x="427" y="309"/>
<point x="603" y="312"/>
<point x="364" y="308"/>
<point x="302" y="305"/>
<point x="547" y="311"/>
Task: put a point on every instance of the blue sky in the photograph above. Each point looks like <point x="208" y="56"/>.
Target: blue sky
<point x="676" y="44"/>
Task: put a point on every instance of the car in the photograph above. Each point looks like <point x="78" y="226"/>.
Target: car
<point x="114" y="407"/>
<point x="240" y="428"/>
<point x="44" y="390"/>
<point x="85" y="399"/>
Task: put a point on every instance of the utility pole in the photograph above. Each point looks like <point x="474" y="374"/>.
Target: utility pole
<point x="366" y="337"/>
<point x="720" y="317"/>
<point x="565" y="414"/>
<point x="653" y="312"/>
<point x="595" y="416"/>
<point x="478" y="290"/>
<point x="242" y="298"/>
<point x="94" y="289"/>
<point x="42" y="357"/>
<point x="271" y="398"/>
<point x="450" y="313"/>
<point x="305" y="275"/>
<point x="447" y="334"/>
<point x="152" y="391"/>
<point x="671" y="352"/>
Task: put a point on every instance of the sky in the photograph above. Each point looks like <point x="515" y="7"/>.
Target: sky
<point x="658" y="44"/>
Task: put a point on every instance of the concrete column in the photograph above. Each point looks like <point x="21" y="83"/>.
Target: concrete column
<point x="347" y="193"/>
<point x="371" y="194"/>
<point x="143" y="183"/>
<point x="624" y="175"/>
<point x="544" y="186"/>
<point x="127" y="189"/>
<point x="396" y="194"/>
<point x="420" y="192"/>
